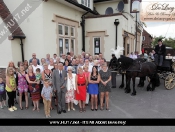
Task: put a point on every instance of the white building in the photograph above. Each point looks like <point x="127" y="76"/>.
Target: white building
<point x="56" y="26"/>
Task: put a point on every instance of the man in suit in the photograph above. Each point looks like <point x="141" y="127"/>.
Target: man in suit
<point x="160" y="51"/>
<point x="59" y="80"/>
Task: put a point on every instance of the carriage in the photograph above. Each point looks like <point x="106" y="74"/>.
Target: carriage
<point x="167" y="72"/>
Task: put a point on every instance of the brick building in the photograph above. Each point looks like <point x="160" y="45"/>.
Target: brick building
<point x="146" y="39"/>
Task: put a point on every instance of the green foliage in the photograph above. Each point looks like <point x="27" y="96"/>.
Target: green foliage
<point x="169" y="42"/>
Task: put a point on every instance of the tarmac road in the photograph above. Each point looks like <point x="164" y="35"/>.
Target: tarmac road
<point x="156" y="104"/>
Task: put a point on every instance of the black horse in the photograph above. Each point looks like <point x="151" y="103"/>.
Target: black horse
<point x="142" y="79"/>
<point x="134" y="70"/>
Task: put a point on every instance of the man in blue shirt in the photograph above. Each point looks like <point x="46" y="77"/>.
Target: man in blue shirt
<point x="34" y="57"/>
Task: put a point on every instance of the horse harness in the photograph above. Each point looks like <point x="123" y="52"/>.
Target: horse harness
<point x="140" y="67"/>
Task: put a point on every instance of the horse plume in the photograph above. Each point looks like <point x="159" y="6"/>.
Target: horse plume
<point x="118" y="51"/>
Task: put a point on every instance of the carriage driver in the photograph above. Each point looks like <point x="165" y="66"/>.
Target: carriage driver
<point x="160" y="51"/>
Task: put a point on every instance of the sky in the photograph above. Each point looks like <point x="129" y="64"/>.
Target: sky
<point x="166" y="29"/>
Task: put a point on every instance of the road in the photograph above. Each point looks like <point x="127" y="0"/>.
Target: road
<point x="156" y="104"/>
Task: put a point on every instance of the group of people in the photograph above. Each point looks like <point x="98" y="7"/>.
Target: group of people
<point x="157" y="55"/>
<point x="64" y="80"/>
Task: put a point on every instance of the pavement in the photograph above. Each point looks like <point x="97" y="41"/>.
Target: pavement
<point x="156" y="104"/>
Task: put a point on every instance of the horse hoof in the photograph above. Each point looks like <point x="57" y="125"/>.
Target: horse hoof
<point x="133" y="94"/>
<point x="121" y="86"/>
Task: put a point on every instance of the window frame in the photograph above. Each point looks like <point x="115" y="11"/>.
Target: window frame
<point x="62" y="44"/>
<point x="73" y="31"/>
<point x="86" y="3"/>
<point x="71" y="44"/>
<point x="143" y="38"/>
<point x="65" y="30"/>
<point x="62" y="30"/>
<point x="95" y="46"/>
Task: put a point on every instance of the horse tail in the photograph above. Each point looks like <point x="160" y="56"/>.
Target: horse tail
<point x="156" y="80"/>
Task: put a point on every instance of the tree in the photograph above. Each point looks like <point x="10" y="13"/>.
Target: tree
<point x="155" y="40"/>
<point x="169" y="42"/>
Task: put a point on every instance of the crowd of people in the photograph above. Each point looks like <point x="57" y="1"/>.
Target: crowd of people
<point x="63" y="81"/>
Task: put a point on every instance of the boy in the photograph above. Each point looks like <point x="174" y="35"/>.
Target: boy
<point x="46" y="94"/>
<point x="2" y="94"/>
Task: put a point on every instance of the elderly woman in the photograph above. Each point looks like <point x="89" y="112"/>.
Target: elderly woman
<point x="81" y="82"/>
<point x="34" y="88"/>
<point x="51" y="64"/>
<point x="105" y="85"/>
<point x="71" y="87"/>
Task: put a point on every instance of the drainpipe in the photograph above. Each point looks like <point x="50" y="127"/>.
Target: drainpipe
<point x="83" y="30"/>
<point x="116" y="23"/>
<point x="22" y="50"/>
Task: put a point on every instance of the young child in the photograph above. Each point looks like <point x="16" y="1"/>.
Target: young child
<point x="38" y="76"/>
<point x="46" y="94"/>
<point x="2" y="94"/>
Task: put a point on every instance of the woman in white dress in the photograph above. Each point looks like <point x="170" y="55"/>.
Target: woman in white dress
<point x="71" y="87"/>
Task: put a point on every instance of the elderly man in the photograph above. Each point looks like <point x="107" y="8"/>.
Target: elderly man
<point x="54" y="57"/>
<point x="59" y="81"/>
<point x="81" y="63"/>
<point x="35" y="66"/>
<point x="72" y="55"/>
<point x="34" y="57"/>
<point x="48" y="58"/>
<point x="88" y="64"/>
<point x="63" y="57"/>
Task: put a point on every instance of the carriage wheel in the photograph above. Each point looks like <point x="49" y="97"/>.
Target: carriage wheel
<point x="173" y="66"/>
<point x="170" y="81"/>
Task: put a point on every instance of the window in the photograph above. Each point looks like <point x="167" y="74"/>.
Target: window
<point x="72" y="31"/>
<point x="128" y="48"/>
<point x="60" y="29"/>
<point x="82" y="2"/>
<point x="66" y="45"/>
<point x="61" y="46"/>
<point x="109" y="11"/>
<point x="72" y="44"/>
<point x="86" y="3"/>
<point x="143" y="38"/>
<point x="66" y="30"/>
<point x="96" y="46"/>
<point x="66" y="38"/>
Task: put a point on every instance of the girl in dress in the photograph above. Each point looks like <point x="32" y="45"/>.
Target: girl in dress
<point x="11" y="64"/>
<point x="11" y="88"/>
<point x="71" y="87"/>
<point x="22" y="85"/>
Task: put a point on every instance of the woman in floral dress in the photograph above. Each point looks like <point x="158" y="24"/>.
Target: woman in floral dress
<point x="71" y="87"/>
